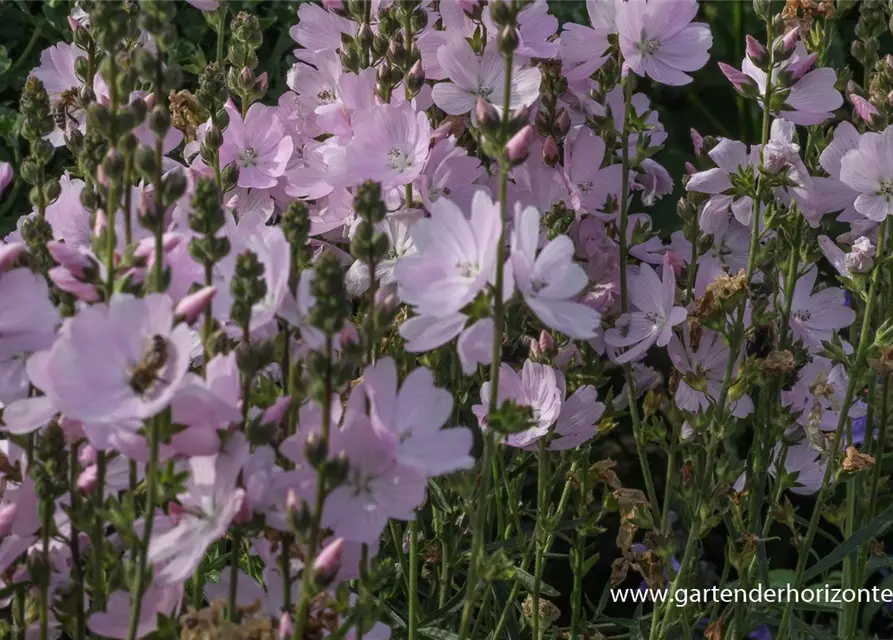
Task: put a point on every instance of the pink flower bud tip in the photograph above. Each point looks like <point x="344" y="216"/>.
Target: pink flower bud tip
<point x="518" y="148"/>
<point x="546" y="342"/>
<point x="790" y="41"/>
<point x="333" y="5"/>
<point x="285" y="628"/>
<point x="86" y="481"/>
<point x="697" y="141"/>
<point x="193" y="305"/>
<point x="739" y="79"/>
<point x="292" y="502"/>
<point x="87" y="455"/>
<point x="755" y="49"/>
<point x="7" y="173"/>
<point x="535" y="351"/>
<point x="328" y="561"/>
<point x="276" y="413"/>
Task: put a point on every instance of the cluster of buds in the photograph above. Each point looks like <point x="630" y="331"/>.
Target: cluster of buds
<point x="552" y="122"/>
<point x="395" y="46"/>
<point x="246" y="39"/>
<point x="870" y="27"/>
<point x="37" y="122"/>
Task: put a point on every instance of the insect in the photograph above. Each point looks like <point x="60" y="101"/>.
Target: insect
<point x="62" y="109"/>
<point x="145" y="374"/>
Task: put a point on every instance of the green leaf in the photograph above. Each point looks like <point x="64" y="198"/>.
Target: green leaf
<point x="635" y="631"/>
<point x="527" y="581"/>
<point x="863" y="536"/>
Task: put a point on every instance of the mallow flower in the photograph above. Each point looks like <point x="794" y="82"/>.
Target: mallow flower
<point x="815" y="317"/>
<point x="655" y="317"/>
<point x="658" y="39"/>
<point x="550" y="280"/>
<point x="119" y="363"/>
<point x="258" y="145"/>
<point x="868" y="171"/>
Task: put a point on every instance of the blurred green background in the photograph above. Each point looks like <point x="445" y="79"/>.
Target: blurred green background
<point x="708" y="104"/>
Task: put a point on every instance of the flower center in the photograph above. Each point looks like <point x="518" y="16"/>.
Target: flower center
<point x="586" y="186"/>
<point x="248" y="157"/>
<point x="483" y="91"/>
<point x="538" y="285"/>
<point x="468" y="270"/>
<point x="399" y="159"/>
<point x="803" y="315"/>
<point x="886" y="188"/>
<point x="650" y="47"/>
<point x="326" y="95"/>
<point x="652" y="317"/>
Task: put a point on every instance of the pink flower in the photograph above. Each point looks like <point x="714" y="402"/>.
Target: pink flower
<point x="205" y="5"/>
<point x="397" y="227"/>
<point x="114" y="622"/>
<point x="258" y="145"/>
<point x="815" y="317"/>
<point x="318" y="29"/>
<point x="812" y="97"/>
<point x="89" y="373"/>
<point x="583" y="49"/>
<point x="390" y="145"/>
<point x="211" y="502"/>
<point x="413" y="416"/>
<point x="378" y="487"/>
<point x="589" y="184"/>
<point x="456" y="257"/>
<point x="549" y="281"/>
<point x="659" y="40"/>
<point x="28" y="319"/>
<point x="57" y="73"/>
<point x="805" y="463"/>
<point x="858" y="260"/>
<point x="450" y="173"/>
<point x="868" y="170"/>
<point x="68" y="217"/>
<point x="656" y="316"/>
<point x="703" y="373"/>
<point x="818" y="395"/>
<point x="829" y="194"/>
<point x="731" y="158"/>
<point x="7" y="175"/>
<point x="474" y="77"/>
<point x="537" y="387"/>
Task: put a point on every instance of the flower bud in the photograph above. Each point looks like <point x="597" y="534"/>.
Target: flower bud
<point x="190" y="307"/>
<point x="144" y="158"/>
<point x="174" y="186"/>
<point x="276" y="413"/>
<point x="87" y="455"/>
<point x="229" y="177"/>
<point x="789" y="42"/>
<point x="500" y="13"/>
<point x="86" y="481"/>
<point x="518" y="148"/>
<point x="365" y="36"/>
<point x="316" y="450"/>
<point x="64" y="280"/>
<point x="863" y="108"/>
<point x="799" y="69"/>
<point x="697" y="141"/>
<point x="7" y="175"/>
<point x="757" y="53"/>
<point x="563" y="123"/>
<point x="535" y="351"/>
<point x="113" y="166"/>
<point x="284" y="629"/>
<point x="508" y="40"/>
<point x="550" y="152"/>
<point x="415" y="79"/>
<point x="546" y="342"/>
<point x="486" y="115"/>
<point x="328" y="563"/>
<point x="743" y="83"/>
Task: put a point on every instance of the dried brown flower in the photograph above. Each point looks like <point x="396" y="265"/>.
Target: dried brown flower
<point x="856" y="461"/>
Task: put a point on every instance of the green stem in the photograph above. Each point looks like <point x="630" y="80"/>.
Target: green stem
<point x="307" y="579"/>
<point x="539" y="534"/>
<point x="221" y="32"/>
<point x="865" y="337"/>
<point x="151" y="490"/>
<point x="413" y="580"/>
<point x="47" y="513"/>
<point x="75" y="543"/>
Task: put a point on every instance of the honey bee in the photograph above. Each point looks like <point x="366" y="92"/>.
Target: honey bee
<point x="62" y="109"/>
<point x="145" y="374"/>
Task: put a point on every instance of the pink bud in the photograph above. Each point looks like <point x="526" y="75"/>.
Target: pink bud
<point x="690" y="169"/>
<point x="349" y="334"/>
<point x="262" y="82"/>
<point x="800" y="68"/>
<point x="276" y="413"/>
<point x="546" y="342"/>
<point x="7" y="518"/>
<point x="486" y="115"/>
<point x="333" y="5"/>
<point x="550" y="152"/>
<point x="863" y="108"/>
<point x="87" y="455"/>
<point x="100" y="222"/>
<point x="328" y="562"/>
<point x="245" y="512"/>
<point x="65" y="280"/>
<point x="535" y="351"/>
<point x="7" y="173"/>
<point x="73" y="24"/>
<point x="285" y="619"/>
<point x="518" y="148"/>
<point x="789" y="41"/>
<point x="697" y="141"/>
<point x="740" y="80"/>
<point x="69" y="257"/>
<point x="755" y="50"/>
<point x="9" y="253"/>
<point x="292" y="502"/>
<point x="192" y="306"/>
<point x="86" y="482"/>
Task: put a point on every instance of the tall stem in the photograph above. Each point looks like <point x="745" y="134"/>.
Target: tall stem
<point x="489" y="444"/>
<point x="75" y="544"/>
<point x="539" y="534"/>
<point x="865" y="337"/>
